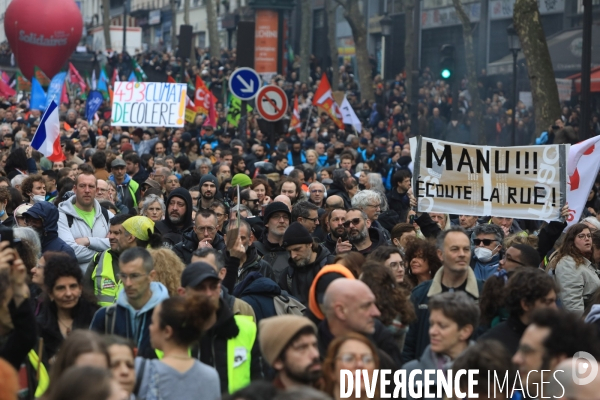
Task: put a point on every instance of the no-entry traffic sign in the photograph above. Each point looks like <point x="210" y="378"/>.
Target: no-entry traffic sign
<point x="271" y="103"/>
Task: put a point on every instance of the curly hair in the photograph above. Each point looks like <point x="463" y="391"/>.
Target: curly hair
<point x="59" y="265"/>
<point x="491" y="300"/>
<point x="528" y="284"/>
<point x="425" y="250"/>
<point x="567" y="248"/>
<point x="257" y="182"/>
<point x="27" y="185"/>
<point x="517" y="238"/>
<point x="168" y="268"/>
<point x="391" y="299"/>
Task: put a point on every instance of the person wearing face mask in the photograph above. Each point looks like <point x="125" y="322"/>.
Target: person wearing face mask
<point x="487" y="239"/>
<point x="33" y="189"/>
<point x="43" y="218"/>
<point x="6" y="219"/>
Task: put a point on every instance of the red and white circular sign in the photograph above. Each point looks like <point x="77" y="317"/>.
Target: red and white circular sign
<point x="271" y="103"/>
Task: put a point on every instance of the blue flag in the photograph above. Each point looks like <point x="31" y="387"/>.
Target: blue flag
<point x="132" y="77"/>
<point x="55" y="88"/>
<point x="38" y="96"/>
<point x="93" y="103"/>
<point x="103" y="82"/>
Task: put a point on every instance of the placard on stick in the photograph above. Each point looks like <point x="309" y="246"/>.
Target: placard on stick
<point x="149" y="104"/>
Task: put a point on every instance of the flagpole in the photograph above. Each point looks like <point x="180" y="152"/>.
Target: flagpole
<point x="308" y="119"/>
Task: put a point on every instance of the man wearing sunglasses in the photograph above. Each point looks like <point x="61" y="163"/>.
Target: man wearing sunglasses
<point x="361" y="235"/>
<point x="487" y="250"/>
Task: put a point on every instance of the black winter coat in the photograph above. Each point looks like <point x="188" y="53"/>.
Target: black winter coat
<point x="254" y="263"/>
<point x="297" y="280"/>
<point x="189" y="244"/>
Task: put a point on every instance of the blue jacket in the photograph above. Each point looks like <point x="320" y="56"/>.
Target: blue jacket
<point x="48" y="213"/>
<point x="130" y="323"/>
<point x="258" y="292"/>
<point x="290" y="158"/>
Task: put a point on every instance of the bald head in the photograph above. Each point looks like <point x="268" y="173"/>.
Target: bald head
<point x="284" y="199"/>
<point x="564" y="373"/>
<point x="334" y="201"/>
<point x="349" y="306"/>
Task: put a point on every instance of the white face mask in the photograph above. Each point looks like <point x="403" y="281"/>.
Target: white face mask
<point x="484" y="254"/>
<point x="38" y="198"/>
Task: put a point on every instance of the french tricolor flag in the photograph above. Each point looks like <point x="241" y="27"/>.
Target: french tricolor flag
<point x="47" y="136"/>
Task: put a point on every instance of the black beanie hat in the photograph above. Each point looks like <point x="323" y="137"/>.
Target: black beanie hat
<point x="276" y="206"/>
<point x="209" y="178"/>
<point x="296" y="234"/>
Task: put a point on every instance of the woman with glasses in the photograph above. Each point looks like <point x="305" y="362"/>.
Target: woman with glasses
<point x="66" y="307"/>
<point x="392" y="300"/>
<point x="352" y="351"/>
<point x="574" y="270"/>
<point x="393" y="259"/>
<point x="422" y="261"/>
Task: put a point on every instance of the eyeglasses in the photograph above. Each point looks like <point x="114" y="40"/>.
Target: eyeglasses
<point x="397" y="265"/>
<point x="317" y="191"/>
<point x="486" y="242"/>
<point x="374" y="205"/>
<point x="314" y="220"/>
<point x="350" y="358"/>
<point x="584" y="236"/>
<point x="106" y="190"/>
<point x="219" y="215"/>
<point x="512" y="260"/>
<point x="354" y="222"/>
<point x="252" y="200"/>
<point x="133" y="277"/>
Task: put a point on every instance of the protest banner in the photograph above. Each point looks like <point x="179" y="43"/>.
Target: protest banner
<point x="149" y="104"/>
<point x="526" y="182"/>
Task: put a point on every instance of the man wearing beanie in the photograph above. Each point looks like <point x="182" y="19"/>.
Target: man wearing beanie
<point x="306" y="260"/>
<point x="289" y="345"/>
<point x="208" y="190"/>
<point x="269" y="246"/>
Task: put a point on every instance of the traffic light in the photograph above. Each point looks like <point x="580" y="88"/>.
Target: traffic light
<point x="447" y="63"/>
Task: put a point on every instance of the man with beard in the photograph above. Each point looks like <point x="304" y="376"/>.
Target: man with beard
<point x="307" y="214"/>
<point x="306" y="260"/>
<point x="178" y="217"/>
<point x="207" y="152"/>
<point x="258" y="154"/>
<point x="369" y="201"/>
<point x="342" y="182"/>
<point x="204" y="234"/>
<point x="296" y="156"/>
<point x="269" y="246"/>
<point x="289" y="345"/>
<point x="238" y="165"/>
<point x="226" y="332"/>
<point x="290" y="188"/>
<point x="208" y="189"/>
<point x="249" y="198"/>
<point x="361" y="237"/>
<point x="337" y="230"/>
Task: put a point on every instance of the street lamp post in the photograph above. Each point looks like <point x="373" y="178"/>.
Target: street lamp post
<point x="386" y="31"/>
<point x="514" y="45"/>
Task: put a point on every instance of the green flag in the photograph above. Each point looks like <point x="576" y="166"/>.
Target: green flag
<point x="139" y="72"/>
<point x="235" y="111"/>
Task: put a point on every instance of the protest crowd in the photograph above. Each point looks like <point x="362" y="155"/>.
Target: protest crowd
<point x="214" y="261"/>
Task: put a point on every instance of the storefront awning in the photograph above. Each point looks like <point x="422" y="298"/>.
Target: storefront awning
<point x="594" y="84"/>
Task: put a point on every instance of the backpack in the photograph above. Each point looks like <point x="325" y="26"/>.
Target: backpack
<point x="104" y="214"/>
<point x="287" y="305"/>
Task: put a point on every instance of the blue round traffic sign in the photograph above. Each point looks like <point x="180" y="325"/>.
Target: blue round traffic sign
<point x="244" y="83"/>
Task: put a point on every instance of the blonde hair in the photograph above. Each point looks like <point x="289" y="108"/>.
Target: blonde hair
<point x="168" y="268"/>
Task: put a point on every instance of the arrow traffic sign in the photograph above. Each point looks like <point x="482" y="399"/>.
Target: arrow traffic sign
<point x="244" y="83"/>
<point x="271" y="103"/>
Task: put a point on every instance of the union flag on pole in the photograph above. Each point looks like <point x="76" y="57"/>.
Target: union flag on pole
<point x="295" y="122"/>
<point x="324" y="98"/>
<point x="203" y="97"/>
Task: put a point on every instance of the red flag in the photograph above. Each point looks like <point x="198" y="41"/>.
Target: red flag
<point x="115" y="77"/>
<point x="211" y="119"/>
<point x="324" y="98"/>
<point x="203" y="97"/>
<point x="5" y="90"/>
<point x="64" y="96"/>
<point x="190" y="110"/>
<point x="295" y="122"/>
<point x="76" y="78"/>
<point x="170" y="79"/>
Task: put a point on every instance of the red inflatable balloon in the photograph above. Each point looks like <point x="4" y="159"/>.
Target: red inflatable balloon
<point x="42" y="33"/>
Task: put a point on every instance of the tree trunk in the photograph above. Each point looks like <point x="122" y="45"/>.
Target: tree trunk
<point x="331" y="8"/>
<point x="544" y="92"/>
<point x="477" y="124"/>
<point x="305" y="40"/>
<point x="173" y="25"/>
<point x="356" y="20"/>
<point x="409" y="54"/>
<point x="106" y="23"/>
<point x="214" y="47"/>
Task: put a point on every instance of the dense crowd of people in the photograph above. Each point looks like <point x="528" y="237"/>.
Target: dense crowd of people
<point x="201" y="262"/>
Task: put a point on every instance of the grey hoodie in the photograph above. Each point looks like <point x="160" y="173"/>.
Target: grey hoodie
<point x="79" y="229"/>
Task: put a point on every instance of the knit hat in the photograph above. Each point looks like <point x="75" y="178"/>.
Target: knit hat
<point x="140" y="227"/>
<point x="296" y="234"/>
<point x="126" y="147"/>
<point x="242" y="180"/>
<point x="209" y="178"/>
<point x="276" y="206"/>
<point x="326" y="275"/>
<point x="275" y="333"/>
